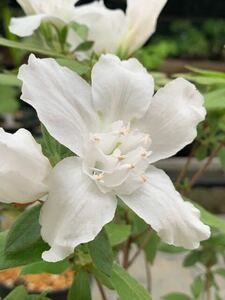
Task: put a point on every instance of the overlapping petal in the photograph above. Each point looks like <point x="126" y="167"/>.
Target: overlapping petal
<point x="75" y="211"/>
<point x="160" y="205"/>
<point x="62" y="100"/>
<point x="24" y="169"/>
<point x="25" y="26"/>
<point x="172" y="118"/>
<point x="122" y="90"/>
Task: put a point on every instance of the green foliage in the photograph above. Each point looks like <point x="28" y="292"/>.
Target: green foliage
<point x="8" y="99"/>
<point x="81" y="30"/>
<point x="20" y="293"/>
<point x="117" y="233"/>
<point x="176" y="296"/>
<point x="8" y="79"/>
<point x="101" y="253"/>
<point x="45" y="267"/>
<point x="126" y="286"/>
<point x="79" y="68"/>
<point x="197" y="287"/>
<point x="80" y="289"/>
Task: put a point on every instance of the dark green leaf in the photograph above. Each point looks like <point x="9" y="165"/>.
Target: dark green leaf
<point x="222" y="158"/>
<point x="9" y="80"/>
<point x="102" y="278"/>
<point x="126" y="286"/>
<point x="101" y="253"/>
<point x="75" y="66"/>
<point x="8" y="99"/>
<point x="197" y="287"/>
<point x="170" y="248"/>
<point x="19" y="293"/>
<point x="80" y="289"/>
<point x="45" y="267"/>
<point x="29" y="48"/>
<point x="21" y="258"/>
<point x="25" y="232"/>
<point x="85" y="46"/>
<point x="176" y="296"/>
<point x="117" y="233"/>
<point x="152" y="247"/>
<point x="192" y="258"/>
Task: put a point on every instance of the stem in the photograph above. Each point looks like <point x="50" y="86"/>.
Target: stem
<point x="186" y="166"/>
<point x="126" y="252"/>
<point x="202" y="170"/>
<point x="207" y="284"/>
<point x="148" y="275"/>
<point x="142" y="246"/>
<point x="101" y="290"/>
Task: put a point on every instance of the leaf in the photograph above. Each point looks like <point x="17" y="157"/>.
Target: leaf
<point x="222" y="158"/>
<point x="25" y="231"/>
<point x="81" y="30"/>
<point x="80" y="289"/>
<point x="126" y="286"/>
<point x="18" y="293"/>
<point x="215" y="100"/>
<point x="170" y="248"/>
<point x="101" y="253"/>
<point x="101" y="277"/>
<point x="24" y="257"/>
<point x="210" y="219"/>
<point x="117" y="233"/>
<point x="202" y="80"/>
<point x="75" y="66"/>
<point x="45" y="267"/>
<point x="207" y="73"/>
<point x="29" y="48"/>
<point x="220" y="272"/>
<point x="176" y="296"/>
<point x="192" y="258"/>
<point x="85" y="46"/>
<point x="197" y="287"/>
<point x="8" y="99"/>
<point x="10" y="80"/>
<point x="152" y="247"/>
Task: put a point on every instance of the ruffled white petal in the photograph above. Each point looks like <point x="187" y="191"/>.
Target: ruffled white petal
<point x="25" y="26"/>
<point x="160" y="205"/>
<point x="24" y="169"/>
<point x="105" y="25"/>
<point x="75" y="211"/>
<point x="122" y="90"/>
<point x="62" y="100"/>
<point x="141" y="19"/>
<point x="172" y="118"/>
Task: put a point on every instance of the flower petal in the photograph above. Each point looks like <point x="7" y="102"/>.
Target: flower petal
<point x="105" y="25"/>
<point x="75" y="211"/>
<point x="24" y="169"/>
<point x="141" y="17"/>
<point x="62" y="100"/>
<point x="160" y="205"/>
<point x="25" y="26"/>
<point x="172" y="118"/>
<point x="26" y="6"/>
<point x="121" y="90"/>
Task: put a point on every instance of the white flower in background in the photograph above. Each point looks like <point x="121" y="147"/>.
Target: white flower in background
<point x="117" y="128"/>
<point x="59" y="12"/>
<point x="114" y="31"/>
<point x="23" y="170"/>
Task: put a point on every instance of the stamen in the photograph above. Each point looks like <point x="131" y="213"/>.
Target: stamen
<point x="121" y="157"/>
<point x="143" y="178"/>
<point x="131" y="166"/>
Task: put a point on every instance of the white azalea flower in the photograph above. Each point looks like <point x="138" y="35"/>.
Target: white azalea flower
<point x="24" y="169"/>
<point x="114" y="31"/>
<point x="60" y="12"/>
<point x="117" y="128"/>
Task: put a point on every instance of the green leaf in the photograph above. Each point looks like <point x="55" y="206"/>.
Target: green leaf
<point x="10" y="80"/>
<point x="85" y="46"/>
<point x="18" y="293"/>
<point x="8" y="99"/>
<point x="75" y="66"/>
<point x="45" y="267"/>
<point x="207" y="73"/>
<point x="126" y="286"/>
<point x="81" y="30"/>
<point x="222" y="158"/>
<point x="21" y="258"/>
<point x="197" y="287"/>
<point x="117" y="233"/>
<point x="80" y="289"/>
<point x="29" y="48"/>
<point x="101" y="253"/>
<point x="176" y="296"/>
<point x="170" y="248"/>
<point x="210" y="219"/>
<point x="152" y="247"/>
<point x="25" y="231"/>
<point x="102" y="278"/>
<point x="192" y="258"/>
<point x="215" y="100"/>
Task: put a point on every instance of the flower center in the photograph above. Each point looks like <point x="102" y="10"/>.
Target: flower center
<point x="117" y="158"/>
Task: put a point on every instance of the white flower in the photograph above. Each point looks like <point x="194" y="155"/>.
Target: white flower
<point x="60" y="12"/>
<point x="114" y="31"/>
<point x="117" y="128"/>
<point x="23" y="170"/>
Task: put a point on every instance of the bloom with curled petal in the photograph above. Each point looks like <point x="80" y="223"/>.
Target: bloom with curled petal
<point x="24" y="170"/>
<point x="60" y="12"/>
<point x="117" y="127"/>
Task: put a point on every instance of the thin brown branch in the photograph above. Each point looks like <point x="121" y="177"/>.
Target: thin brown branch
<point x="204" y="168"/>
<point x="148" y="275"/>
<point x="141" y="247"/>
<point x="101" y="290"/>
